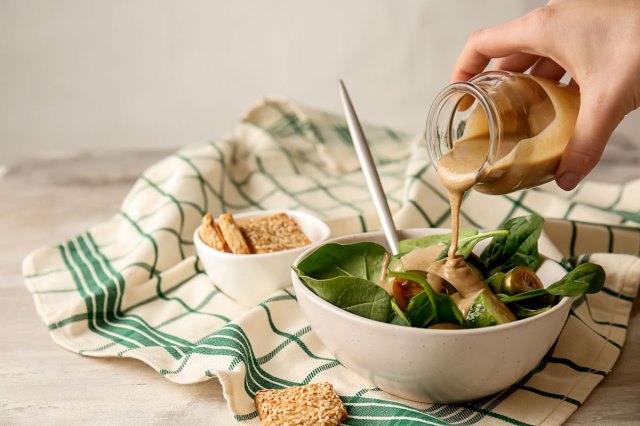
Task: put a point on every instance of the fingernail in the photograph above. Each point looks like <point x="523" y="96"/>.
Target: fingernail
<point x="569" y="180"/>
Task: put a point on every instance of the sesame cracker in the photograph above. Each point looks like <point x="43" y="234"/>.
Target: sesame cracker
<point x="309" y="405"/>
<point x="273" y="233"/>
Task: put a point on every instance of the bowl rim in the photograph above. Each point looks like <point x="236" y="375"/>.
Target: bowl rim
<point x="314" y="298"/>
<point x="295" y="214"/>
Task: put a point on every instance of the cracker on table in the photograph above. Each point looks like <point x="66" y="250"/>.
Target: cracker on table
<point x="232" y="234"/>
<point x="211" y="234"/>
<point x="276" y="232"/>
<point x="312" y="404"/>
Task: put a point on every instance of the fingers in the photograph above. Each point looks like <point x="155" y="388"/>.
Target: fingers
<point x="596" y="121"/>
<point x="540" y="67"/>
<point x="520" y="36"/>
<point x="548" y="68"/>
<point x="470" y="62"/>
<point x="518" y="62"/>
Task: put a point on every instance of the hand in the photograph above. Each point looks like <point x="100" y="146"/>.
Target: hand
<point x="596" y="41"/>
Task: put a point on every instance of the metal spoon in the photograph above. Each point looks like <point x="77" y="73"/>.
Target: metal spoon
<point x="369" y="170"/>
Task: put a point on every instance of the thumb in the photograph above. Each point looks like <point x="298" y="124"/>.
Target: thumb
<point x="597" y="119"/>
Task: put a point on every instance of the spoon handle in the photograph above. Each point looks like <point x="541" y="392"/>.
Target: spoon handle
<point x="369" y="170"/>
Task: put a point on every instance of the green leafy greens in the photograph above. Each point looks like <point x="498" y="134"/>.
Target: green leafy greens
<point x="362" y="260"/>
<point x="467" y="244"/>
<point x="435" y="308"/>
<point x="349" y="276"/>
<point x="398" y="316"/>
<point x="518" y="247"/>
<point x="355" y="295"/>
<point x="405" y="246"/>
<point x="467" y="240"/>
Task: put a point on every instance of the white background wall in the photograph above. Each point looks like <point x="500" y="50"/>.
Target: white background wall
<point x="95" y="74"/>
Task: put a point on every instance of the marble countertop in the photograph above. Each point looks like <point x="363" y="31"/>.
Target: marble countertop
<point x="46" y="200"/>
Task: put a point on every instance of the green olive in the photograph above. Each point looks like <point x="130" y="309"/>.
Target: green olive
<point x="522" y="279"/>
<point x="495" y="282"/>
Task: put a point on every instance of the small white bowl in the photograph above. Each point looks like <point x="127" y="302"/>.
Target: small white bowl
<point x="429" y="365"/>
<point x="250" y="278"/>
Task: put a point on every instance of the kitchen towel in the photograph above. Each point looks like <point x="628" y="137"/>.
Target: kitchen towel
<point x="134" y="287"/>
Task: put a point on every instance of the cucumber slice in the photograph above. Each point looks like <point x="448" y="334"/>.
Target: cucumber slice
<point x="487" y="310"/>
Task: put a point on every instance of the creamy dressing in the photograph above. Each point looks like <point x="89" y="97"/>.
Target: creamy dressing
<point x="385" y="283"/>
<point x="520" y="162"/>
<point x="456" y="271"/>
<point x="420" y="258"/>
<point x="416" y="260"/>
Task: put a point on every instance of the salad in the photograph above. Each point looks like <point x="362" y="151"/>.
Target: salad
<point x="422" y="287"/>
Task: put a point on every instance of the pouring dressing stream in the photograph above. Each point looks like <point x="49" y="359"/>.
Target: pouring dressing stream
<point x="511" y="132"/>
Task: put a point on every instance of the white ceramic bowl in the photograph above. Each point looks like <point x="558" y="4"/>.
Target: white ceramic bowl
<point x="250" y="278"/>
<point x="433" y="365"/>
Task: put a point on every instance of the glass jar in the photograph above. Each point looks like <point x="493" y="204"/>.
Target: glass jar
<point x="508" y="130"/>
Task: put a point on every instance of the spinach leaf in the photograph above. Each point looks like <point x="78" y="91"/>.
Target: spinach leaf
<point x="587" y="278"/>
<point x="466" y="244"/>
<point x="443" y="307"/>
<point x="398" y="317"/>
<point x="397" y="320"/>
<point x="467" y="240"/>
<point x="361" y="260"/>
<point x="519" y="247"/>
<point x="420" y="311"/>
<point x="522" y="312"/>
<point x="406" y="246"/>
<point x="353" y="294"/>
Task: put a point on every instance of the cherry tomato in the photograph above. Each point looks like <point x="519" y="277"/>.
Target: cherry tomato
<point x="404" y="290"/>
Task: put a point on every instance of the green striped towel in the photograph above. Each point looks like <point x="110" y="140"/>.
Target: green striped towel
<point x="133" y="287"/>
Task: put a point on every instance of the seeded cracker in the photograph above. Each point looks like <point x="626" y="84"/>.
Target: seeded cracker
<point x="232" y="234"/>
<point x="309" y="405"/>
<point x="273" y="233"/>
<point x="211" y="234"/>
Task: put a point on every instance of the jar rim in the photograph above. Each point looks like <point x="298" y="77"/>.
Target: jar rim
<point x="459" y="90"/>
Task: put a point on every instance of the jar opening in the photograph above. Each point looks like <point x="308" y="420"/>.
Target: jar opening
<point x="457" y="105"/>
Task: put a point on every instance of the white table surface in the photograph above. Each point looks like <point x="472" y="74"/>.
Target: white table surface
<point x="44" y="201"/>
